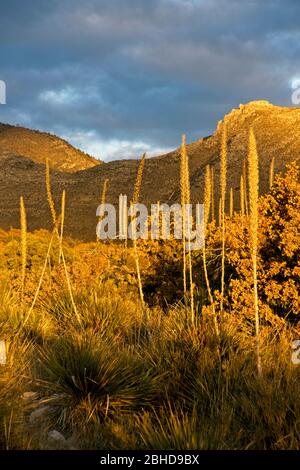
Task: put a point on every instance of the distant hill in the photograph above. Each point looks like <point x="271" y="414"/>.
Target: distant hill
<point x="38" y="146"/>
<point x="277" y="130"/>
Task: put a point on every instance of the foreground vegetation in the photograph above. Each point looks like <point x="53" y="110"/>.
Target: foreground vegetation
<point x="92" y="359"/>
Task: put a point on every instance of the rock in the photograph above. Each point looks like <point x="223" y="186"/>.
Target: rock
<point x="29" y="396"/>
<point x="38" y="414"/>
<point x="56" y="438"/>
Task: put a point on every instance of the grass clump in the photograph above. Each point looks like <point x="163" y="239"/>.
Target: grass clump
<point x="87" y="380"/>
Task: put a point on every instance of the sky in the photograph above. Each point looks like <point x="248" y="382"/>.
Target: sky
<point x="117" y="78"/>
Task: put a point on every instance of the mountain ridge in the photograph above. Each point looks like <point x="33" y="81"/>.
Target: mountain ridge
<point x="37" y="145"/>
<point x="277" y="131"/>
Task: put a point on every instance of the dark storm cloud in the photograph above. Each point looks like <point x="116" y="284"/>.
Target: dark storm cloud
<point x="138" y="73"/>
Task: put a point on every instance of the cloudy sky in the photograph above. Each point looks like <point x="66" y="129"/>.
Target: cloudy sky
<point x="120" y="77"/>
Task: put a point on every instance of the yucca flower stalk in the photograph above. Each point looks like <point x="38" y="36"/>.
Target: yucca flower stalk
<point x="40" y="279"/>
<point x="56" y="222"/>
<point x="50" y="272"/>
<point x="253" y="196"/>
<point x="160" y="221"/>
<point x="231" y="203"/>
<point x="102" y="200"/>
<point x="212" y="173"/>
<point x="135" y="200"/>
<point x="183" y="202"/>
<point x="70" y="287"/>
<point x="242" y="194"/>
<point x="271" y="175"/>
<point x="23" y="223"/>
<point x="223" y="178"/>
<point x="62" y="222"/>
<point x="104" y="191"/>
<point x="186" y="199"/>
<point x="138" y="181"/>
<point x="49" y="193"/>
<point x="207" y="205"/>
<point x="245" y="188"/>
<point x="123" y="218"/>
<point x="190" y="224"/>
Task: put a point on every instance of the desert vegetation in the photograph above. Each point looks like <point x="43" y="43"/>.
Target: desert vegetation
<point x="149" y="344"/>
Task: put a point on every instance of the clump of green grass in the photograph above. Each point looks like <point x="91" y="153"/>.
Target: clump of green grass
<point x="87" y="379"/>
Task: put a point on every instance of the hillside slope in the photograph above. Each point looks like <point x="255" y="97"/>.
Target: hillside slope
<point x="38" y="146"/>
<point x="277" y="131"/>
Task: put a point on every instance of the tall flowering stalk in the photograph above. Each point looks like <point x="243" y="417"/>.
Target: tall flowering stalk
<point x="231" y="203"/>
<point x="62" y="222"/>
<point x="49" y="193"/>
<point x="23" y="223"/>
<point x="102" y="201"/>
<point x="253" y="199"/>
<point x="223" y="179"/>
<point x="207" y="205"/>
<point x="135" y="200"/>
<point x="186" y="220"/>
<point x="246" y="205"/>
<point x="242" y="196"/>
<point x="183" y="201"/>
<point x="271" y="175"/>
<point x="56" y="221"/>
<point x="212" y="174"/>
